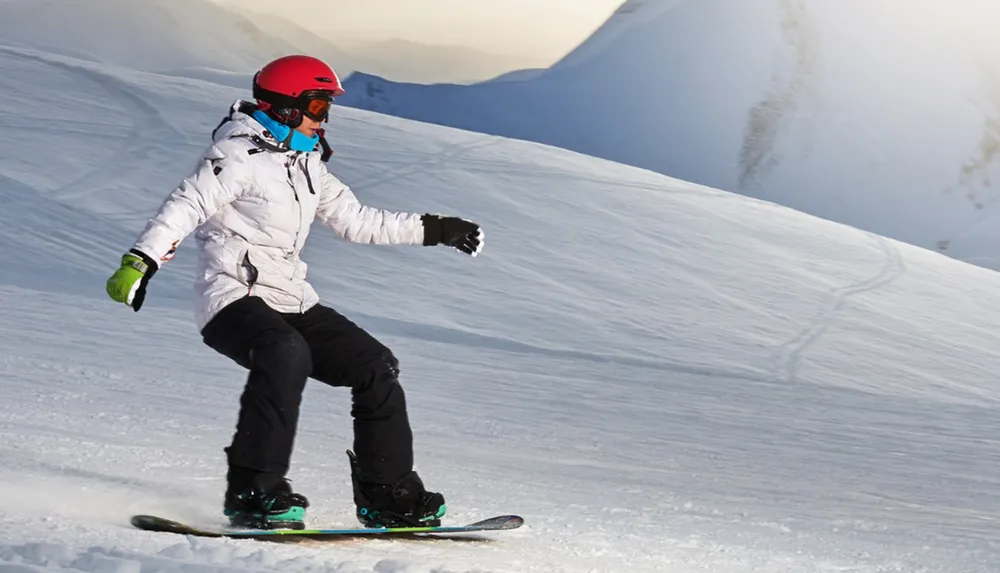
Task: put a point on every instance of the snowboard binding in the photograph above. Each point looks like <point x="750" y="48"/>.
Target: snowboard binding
<point x="403" y="504"/>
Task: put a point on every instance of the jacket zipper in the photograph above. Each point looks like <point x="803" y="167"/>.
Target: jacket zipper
<point x="298" y="204"/>
<point x="309" y="180"/>
<point x="298" y="218"/>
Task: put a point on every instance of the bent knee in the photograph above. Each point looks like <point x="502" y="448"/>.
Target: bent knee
<point x="391" y="363"/>
<point x="378" y="375"/>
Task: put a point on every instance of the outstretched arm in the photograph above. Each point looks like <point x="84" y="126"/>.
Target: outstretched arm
<point x="340" y="210"/>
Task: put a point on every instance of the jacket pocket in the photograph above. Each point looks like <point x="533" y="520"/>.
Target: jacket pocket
<point x="246" y="272"/>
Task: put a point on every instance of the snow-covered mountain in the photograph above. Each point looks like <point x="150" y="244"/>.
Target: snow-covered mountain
<point x="881" y="114"/>
<point x="406" y="61"/>
<point x="305" y="41"/>
<point x="224" y="44"/>
<point x="397" y="60"/>
<point x="656" y="374"/>
<point x="160" y="35"/>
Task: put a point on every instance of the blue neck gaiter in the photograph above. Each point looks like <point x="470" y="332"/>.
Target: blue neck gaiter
<point x="294" y="139"/>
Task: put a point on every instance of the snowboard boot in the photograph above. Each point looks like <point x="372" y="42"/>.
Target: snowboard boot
<point x="266" y="502"/>
<point x="403" y="504"/>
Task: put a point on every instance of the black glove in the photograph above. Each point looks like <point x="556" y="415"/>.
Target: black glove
<point x="465" y="236"/>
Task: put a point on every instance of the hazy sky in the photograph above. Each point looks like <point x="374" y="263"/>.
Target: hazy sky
<point x="548" y="28"/>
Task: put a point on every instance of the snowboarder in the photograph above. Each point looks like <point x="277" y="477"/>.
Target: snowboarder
<point x="251" y="201"/>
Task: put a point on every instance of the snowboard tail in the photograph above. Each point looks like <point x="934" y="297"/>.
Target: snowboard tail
<point x="155" y="523"/>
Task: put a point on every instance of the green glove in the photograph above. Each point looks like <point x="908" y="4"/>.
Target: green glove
<point x="128" y="284"/>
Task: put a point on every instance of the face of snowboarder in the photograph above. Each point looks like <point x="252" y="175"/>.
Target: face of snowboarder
<point x="309" y="126"/>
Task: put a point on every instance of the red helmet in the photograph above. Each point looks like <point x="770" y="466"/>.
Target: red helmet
<point x="293" y="84"/>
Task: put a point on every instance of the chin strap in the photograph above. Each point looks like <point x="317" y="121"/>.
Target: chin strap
<point x="325" y="146"/>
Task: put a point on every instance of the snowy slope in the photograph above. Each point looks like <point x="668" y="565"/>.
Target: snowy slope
<point x="881" y="114"/>
<point x="659" y="376"/>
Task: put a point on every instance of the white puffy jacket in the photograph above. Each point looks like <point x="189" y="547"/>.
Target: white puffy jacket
<point x="252" y="205"/>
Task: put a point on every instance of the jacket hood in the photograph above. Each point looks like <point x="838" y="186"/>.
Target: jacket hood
<point x="240" y="123"/>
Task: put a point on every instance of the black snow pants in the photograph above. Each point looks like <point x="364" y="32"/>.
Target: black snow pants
<point x="281" y="351"/>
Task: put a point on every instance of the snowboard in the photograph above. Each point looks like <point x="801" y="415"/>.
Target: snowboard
<point x="155" y="523"/>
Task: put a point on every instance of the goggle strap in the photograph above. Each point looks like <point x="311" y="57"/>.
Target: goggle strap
<point x="276" y="100"/>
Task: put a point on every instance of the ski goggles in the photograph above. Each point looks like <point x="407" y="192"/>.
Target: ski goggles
<point x="315" y="105"/>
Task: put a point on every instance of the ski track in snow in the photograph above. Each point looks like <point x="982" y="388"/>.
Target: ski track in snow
<point x="147" y="123"/>
<point x="789" y="355"/>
